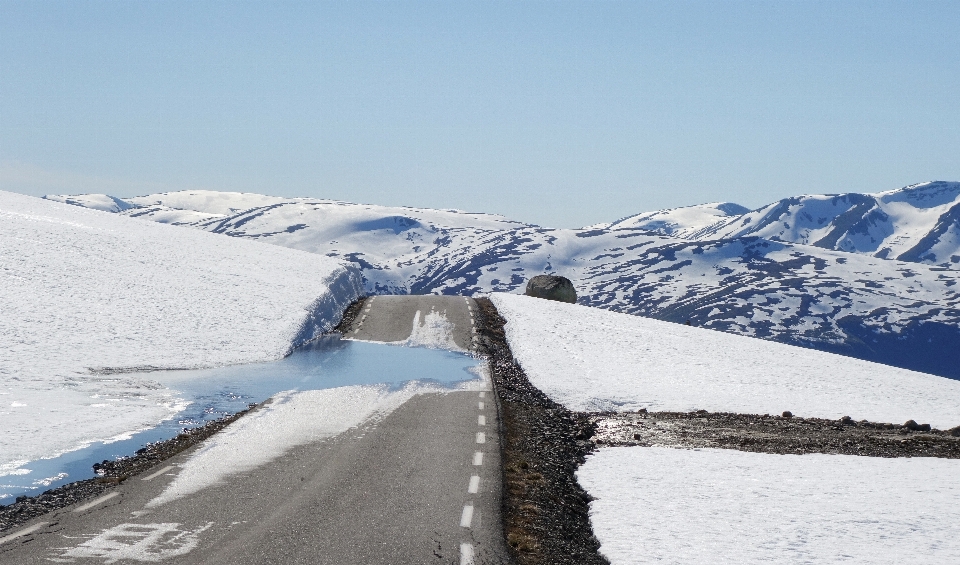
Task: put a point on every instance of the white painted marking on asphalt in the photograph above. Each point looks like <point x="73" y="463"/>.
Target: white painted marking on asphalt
<point x="356" y="330"/>
<point x="478" y="458"/>
<point x="481" y="420"/>
<point x="474" y="484"/>
<point x="152" y="476"/>
<point x="482" y="394"/>
<point x="480" y="405"/>
<point x="481" y="438"/>
<point x="466" y="554"/>
<point x="467" y="517"/>
<point x="96" y="501"/>
<point x="32" y="529"/>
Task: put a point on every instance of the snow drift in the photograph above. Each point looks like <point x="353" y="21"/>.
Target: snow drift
<point x="590" y="359"/>
<point x="91" y="298"/>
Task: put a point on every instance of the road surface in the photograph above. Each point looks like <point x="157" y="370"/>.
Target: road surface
<point x="420" y="486"/>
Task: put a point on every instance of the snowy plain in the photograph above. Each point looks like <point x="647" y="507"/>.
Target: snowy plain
<point x="673" y="506"/>
<point x="589" y="359"/>
<point x="91" y="300"/>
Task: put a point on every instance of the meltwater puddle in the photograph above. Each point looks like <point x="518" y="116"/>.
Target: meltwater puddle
<point x="326" y="363"/>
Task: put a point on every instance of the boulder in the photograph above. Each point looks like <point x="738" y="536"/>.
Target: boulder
<point x="552" y="287"/>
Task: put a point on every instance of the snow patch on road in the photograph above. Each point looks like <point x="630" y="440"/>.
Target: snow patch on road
<point x="288" y="420"/>
<point x="590" y="359"/>
<point x="434" y="331"/>
<point x="724" y="506"/>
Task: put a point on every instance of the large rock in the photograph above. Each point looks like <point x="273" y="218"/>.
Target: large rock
<point x="552" y="287"/>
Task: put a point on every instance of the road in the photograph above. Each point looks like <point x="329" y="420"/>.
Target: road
<point x="420" y="486"/>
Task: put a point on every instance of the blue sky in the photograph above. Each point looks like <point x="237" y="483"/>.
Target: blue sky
<point x="558" y="113"/>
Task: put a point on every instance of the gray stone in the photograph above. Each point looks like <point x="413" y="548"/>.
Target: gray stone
<point x="552" y="287"/>
<point x="911" y="425"/>
<point x="787" y="414"/>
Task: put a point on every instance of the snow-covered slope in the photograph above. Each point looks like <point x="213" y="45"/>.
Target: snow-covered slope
<point x="905" y="314"/>
<point x="678" y="222"/>
<point x="918" y="223"/>
<point x="88" y="297"/>
<point x="591" y="359"/>
<point x="679" y="506"/>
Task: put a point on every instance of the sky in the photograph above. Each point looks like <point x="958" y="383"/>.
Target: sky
<point x="563" y="114"/>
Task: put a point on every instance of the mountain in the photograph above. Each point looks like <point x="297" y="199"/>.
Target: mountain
<point x="918" y="223"/>
<point x="678" y="222"/>
<point x="901" y="313"/>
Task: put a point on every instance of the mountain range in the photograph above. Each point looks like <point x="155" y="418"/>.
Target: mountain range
<point x="872" y="276"/>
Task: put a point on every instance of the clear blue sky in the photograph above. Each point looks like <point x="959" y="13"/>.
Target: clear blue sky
<point x="558" y="113"/>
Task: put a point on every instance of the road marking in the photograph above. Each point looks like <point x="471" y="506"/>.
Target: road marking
<point x="152" y="476"/>
<point x="466" y="554"/>
<point x="480" y="405"/>
<point x="474" y="484"/>
<point x="478" y="458"/>
<point x="39" y="525"/>
<point x="482" y="420"/>
<point x="467" y="517"/>
<point x="96" y="501"/>
<point x="482" y="394"/>
<point x="481" y="438"/>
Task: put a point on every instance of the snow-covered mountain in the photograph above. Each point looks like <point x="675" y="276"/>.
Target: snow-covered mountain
<point x="679" y="222"/>
<point x="895" y="312"/>
<point x="918" y="223"/>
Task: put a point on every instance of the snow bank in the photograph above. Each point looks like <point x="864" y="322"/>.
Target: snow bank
<point x="724" y="506"/>
<point x="91" y="298"/>
<point x="591" y="359"/>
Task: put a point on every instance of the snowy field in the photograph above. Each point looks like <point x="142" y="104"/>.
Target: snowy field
<point x="92" y="298"/>
<point x="661" y="505"/>
<point x="592" y="359"/>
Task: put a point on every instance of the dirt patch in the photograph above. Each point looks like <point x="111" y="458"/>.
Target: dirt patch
<point x="350" y="315"/>
<point x="763" y="433"/>
<point x="545" y="511"/>
<point x="110" y="473"/>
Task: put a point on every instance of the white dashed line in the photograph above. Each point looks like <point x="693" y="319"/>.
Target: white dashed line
<point x="478" y="458"/>
<point x="95" y="502"/>
<point x="39" y="525"/>
<point x="481" y="437"/>
<point x="466" y="518"/>
<point x="482" y="394"/>
<point x="474" y="484"/>
<point x="466" y="554"/>
<point x="480" y="405"/>
<point x="481" y="420"/>
<point x="152" y="476"/>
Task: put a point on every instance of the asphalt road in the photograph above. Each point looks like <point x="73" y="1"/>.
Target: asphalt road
<point x="420" y="486"/>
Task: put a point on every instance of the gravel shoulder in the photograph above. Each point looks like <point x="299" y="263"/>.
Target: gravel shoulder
<point x="763" y="433"/>
<point x="545" y="511"/>
<point x="110" y="474"/>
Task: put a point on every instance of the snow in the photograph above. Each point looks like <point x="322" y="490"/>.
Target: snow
<point x="589" y="359"/>
<point x="678" y="222"/>
<point x="724" y="506"/>
<point x="288" y="420"/>
<point x="92" y="299"/>
<point x="901" y="313"/>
